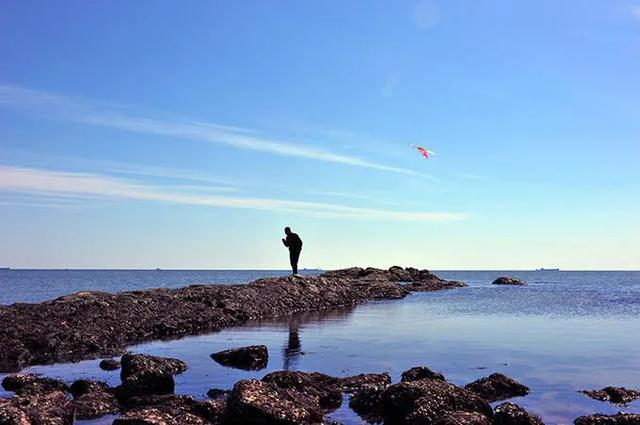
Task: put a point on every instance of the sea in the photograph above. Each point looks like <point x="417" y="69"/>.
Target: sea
<point x="565" y="331"/>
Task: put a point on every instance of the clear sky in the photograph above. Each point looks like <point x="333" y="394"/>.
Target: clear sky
<point x="188" y="134"/>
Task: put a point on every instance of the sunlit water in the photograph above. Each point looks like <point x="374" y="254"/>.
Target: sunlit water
<point x="564" y="332"/>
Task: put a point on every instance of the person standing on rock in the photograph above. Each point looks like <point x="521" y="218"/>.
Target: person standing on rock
<point x="294" y="243"/>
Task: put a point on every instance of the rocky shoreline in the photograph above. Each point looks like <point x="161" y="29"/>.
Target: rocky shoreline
<point x="95" y="324"/>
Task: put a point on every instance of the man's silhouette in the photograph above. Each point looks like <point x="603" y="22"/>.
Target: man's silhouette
<point x="294" y="243"/>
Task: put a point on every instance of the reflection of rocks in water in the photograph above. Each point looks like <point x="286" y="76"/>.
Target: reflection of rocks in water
<point x="293" y="349"/>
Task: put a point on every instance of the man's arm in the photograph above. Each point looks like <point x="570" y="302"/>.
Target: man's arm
<point x="284" y="242"/>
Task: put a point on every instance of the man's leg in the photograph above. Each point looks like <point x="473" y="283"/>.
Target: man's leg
<point x="294" y="256"/>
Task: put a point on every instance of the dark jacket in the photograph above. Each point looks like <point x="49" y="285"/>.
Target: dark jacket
<point x="293" y="241"/>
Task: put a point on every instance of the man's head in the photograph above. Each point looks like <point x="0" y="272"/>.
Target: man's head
<point x="287" y="231"/>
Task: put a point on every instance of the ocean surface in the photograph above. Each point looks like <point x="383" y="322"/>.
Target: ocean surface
<point x="563" y="332"/>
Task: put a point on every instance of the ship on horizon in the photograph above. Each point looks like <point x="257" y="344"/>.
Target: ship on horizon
<point x="542" y="269"/>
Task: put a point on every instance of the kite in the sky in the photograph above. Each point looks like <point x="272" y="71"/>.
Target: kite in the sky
<point x="424" y="151"/>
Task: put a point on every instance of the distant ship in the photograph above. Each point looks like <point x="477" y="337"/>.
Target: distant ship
<point x="547" y="270"/>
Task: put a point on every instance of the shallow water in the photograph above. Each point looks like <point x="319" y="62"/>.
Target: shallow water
<point x="564" y="332"/>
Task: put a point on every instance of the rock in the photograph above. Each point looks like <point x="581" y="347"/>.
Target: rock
<point x="149" y="383"/>
<point x="428" y="400"/>
<point x="156" y="416"/>
<point x="617" y="419"/>
<point x="617" y="395"/>
<point x="109" y="364"/>
<point x="433" y="285"/>
<point x="497" y="387"/>
<point x="217" y="393"/>
<point x="420" y="372"/>
<point x="29" y="383"/>
<point x="263" y="403"/>
<point x="254" y="357"/>
<point x="12" y="415"/>
<point x="505" y="280"/>
<point x="50" y="408"/>
<point x="398" y="274"/>
<point x="463" y="418"/>
<point x="323" y="390"/>
<point x="93" y="399"/>
<point x="173" y="410"/>
<point x="366" y="393"/>
<point x="134" y="365"/>
<point x="512" y="414"/>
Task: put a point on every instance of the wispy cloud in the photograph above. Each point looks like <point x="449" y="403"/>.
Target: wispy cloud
<point x="123" y="117"/>
<point x="49" y="182"/>
<point x="635" y="10"/>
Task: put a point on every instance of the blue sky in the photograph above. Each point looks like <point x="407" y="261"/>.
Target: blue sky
<point x="156" y="134"/>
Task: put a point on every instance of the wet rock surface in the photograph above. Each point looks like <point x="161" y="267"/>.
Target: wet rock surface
<point x="497" y="387"/>
<point x="512" y="414"/>
<point x="618" y="419"/>
<point x="29" y="383"/>
<point x="365" y="394"/>
<point x="254" y="357"/>
<point x="173" y="410"/>
<point x="97" y="324"/>
<point x="463" y="418"/>
<point x="616" y="395"/>
<point x="51" y="408"/>
<point x="429" y="400"/>
<point x="322" y="391"/>
<point x="505" y="280"/>
<point x="135" y="365"/>
<point x="420" y="372"/>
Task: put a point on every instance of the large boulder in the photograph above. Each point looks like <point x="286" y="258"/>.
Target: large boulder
<point x="428" y="400"/>
<point x="506" y="280"/>
<point x="255" y="402"/>
<point x="617" y="395"/>
<point x="617" y="419"/>
<point x="512" y="414"/>
<point x="324" y="391"/>
<point x="420" y="372"/>
<point x="93" y="399"/>
<point x="134" y="365"/>
<point x="497" y="387"/>
<point x="463" y="418"/>
<point x="29" y="383"/>
<point x="253" y="357"/>
<point x="148" y="383"/>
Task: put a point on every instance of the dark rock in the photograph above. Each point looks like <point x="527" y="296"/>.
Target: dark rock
<point x="323" y="390"/>
<point x="497" y="387"/>
<point x="463" y="418"/>
<point x="398" y="274"/>
<point x="150" y="383"/>
<point x="50" y="408"/>
<point x="420" y="372"/>
<point x="98" y="324"/>
<point x="617" y="419"/>
<point x="366" y="393"/>
<point x="28" y="383"/>
<point x="433" y="285"/>
<point x="109" y="364"/>
<point x="11" y="414"/>
<point x="512" y="414"/>
<point x="217" y="393"/>
<point x="93" y="399"/>
<point x="134" y="365"/>
<point x="173" y="410"/>
<point x="505" y="280"/>
<point x="428" y="400"/>
<point x="264" y="403"/>
<point x="617" y="395"/>
<point x="254" y="357"/>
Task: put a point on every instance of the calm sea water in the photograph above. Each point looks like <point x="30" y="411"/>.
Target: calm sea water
<point x="564" y="332"/>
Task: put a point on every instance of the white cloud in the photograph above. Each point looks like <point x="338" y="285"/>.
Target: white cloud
<point x="48" y="182"/>
<point x="112" y="116"/>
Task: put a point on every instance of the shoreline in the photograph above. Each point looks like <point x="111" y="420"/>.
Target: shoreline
<point x="89" y="325"/>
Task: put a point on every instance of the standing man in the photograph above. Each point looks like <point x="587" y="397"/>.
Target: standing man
<point x="294" y="243"/>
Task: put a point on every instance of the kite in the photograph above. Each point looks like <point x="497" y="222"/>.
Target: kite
<point x="424" y="151"/>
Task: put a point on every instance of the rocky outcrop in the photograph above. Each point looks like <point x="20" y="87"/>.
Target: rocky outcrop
<point x="429" y="400"/>
<point x="512" y="414"/>
<point x="254" y="357"/>
<point x="365" y="393"/>
<point x="420" y="372"/>
<point x="134" y="365"/>
<point x="497" y="387"/>
<point x="93" y="399"/>
<point x="174" y="410"/>
<point x="96" y="324"/>
<point x="617" y="395"/>
<point x="29" y="383"/>
<point x="51" y="408"/>
<point x="320" y="390"/>
<point x="463" y="418"/>
<point x="617" y="419"/>
<point x="505" y="280"/>
<point x="109" y="364"/>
